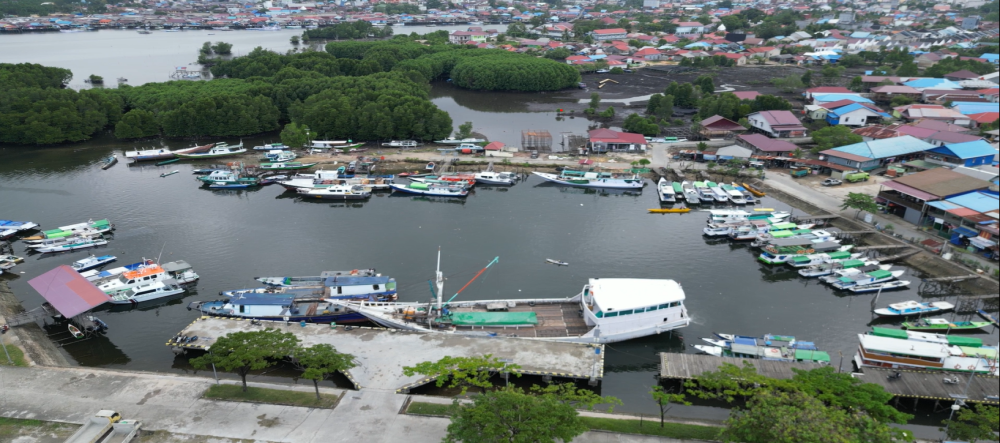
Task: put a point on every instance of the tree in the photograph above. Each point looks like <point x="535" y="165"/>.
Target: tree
<point x="857" y="84"/>
<point x="807" y="79"/>
<point x="908" y="69"/>
<point x="462" y="372"/>
<point x="789" y="83"/>
<point x="832" y="71"/>
<point x="733" y="23"/>
<point x="851" y="60"/>
<point x="608" y="113"/>
<point x="665" y="399"/>
<point x="137" y="123"/>
<point x="294" y="136"/>
<point x="558" y="54"/>
<point x="206" y="48"/>
<point x="641" y="125"/>
<point x="319" y="362"/>
<point x="222" y="48"/>
<point x="595" y="100"/>
<point x="294" y="40"/>
<point x="835" y="137"/>
<point x="728" y="383"/>
<point x="464" y="130"/>
<point x="974" y="424"/>
<point x="900" y="100"/>
<point x="512" y="416"/>
<point x="795" y="417"/>
<point x="744" y="122"/>
<point x="860" y="202"/>
<point x="846" y="392"/>
<point x="243" y="352"/>
<point x="706" y="84"/>
<point x="702" y="146"/>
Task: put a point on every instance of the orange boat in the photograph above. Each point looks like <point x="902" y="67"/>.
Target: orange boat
<point x="670" y="211"/>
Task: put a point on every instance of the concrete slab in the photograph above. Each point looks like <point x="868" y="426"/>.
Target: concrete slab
<point x="382" y="353"/>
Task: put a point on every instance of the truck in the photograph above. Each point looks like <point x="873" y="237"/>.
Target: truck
<point x="800" y="172"/>
<point x="855" y="177"/>
<point x="95" y="428"/>
<point x="123" y="432"/>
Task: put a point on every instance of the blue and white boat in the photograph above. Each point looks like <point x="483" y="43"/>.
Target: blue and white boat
<point x="870" y="278"/>
<point x="281" y="307"/>
<point x="316" y="279"/>
<point x="878" y="287"/>
<point x="92" y="262"/>
<point x="583" y="179"/>
<point x="10" y="227"/>
<point x="431" y="190"/>
<point x="381" y="287"/>
<point x="769" y="347"/>
<point x="666" y="191"/>
<point x="95" y="275"/>
<point x="914" y="308"/>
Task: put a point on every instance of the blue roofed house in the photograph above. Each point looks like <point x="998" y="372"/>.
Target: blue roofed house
<point x="870" y="155"/>
<point x="820" y="99"/>
<point x="932" y="83"/>
<point x="968" y="154"/>
<point x="924" y="199"/>
<point x="992" y="58"/>
<point x="969" y="108"/>
<point x="854" y="114"/>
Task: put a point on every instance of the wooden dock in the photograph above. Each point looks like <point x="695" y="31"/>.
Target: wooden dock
<point x="688" y="366"/>
<point x="931" y="386"/>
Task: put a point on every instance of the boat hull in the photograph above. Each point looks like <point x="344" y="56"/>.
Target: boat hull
<point x="430" y="193"/>
<point x="337" y="196"/>
<point x="596" y="183"/>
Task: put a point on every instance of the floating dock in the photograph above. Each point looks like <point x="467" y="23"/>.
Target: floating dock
<point x="688" y="366"/>
<point x="382" y="353"/>
<point x="925" y="385"/>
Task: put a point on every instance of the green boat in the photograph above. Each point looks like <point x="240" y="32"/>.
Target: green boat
<point x="225" y="178"/>
<point x="285" y="166"/>
<point x="167" y="162"/>
<point x="98" y="226"/>
<point x="952" y="340"/>
<point x="943" y="325"/>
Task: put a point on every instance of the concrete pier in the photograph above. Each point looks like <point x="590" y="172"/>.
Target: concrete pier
<point x="382" y="353"/>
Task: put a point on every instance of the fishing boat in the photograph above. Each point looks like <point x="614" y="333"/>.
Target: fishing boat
<point x="879" y="287"/>
<point x="167" y="162"/>
<point x="556" y="262"/>
<point x="195" y="149"/>
<point x="803" y="261"/>
<point x="798" y="232"/>
<point x="582" y="179"/>
<point x="893" y="353"/>
<point x="109" y="161"/>
<point x="851" y="272"/>
<point x="168" y="174"/>
<point x="690" y="194"/>
<point x="178" y="271"/>
<point x="753" y="190"/>
<point x="10" y="228"/>
<point x="285" y="166"/>
<point x="7" y="262"/>
<point x="769" y="347"/>
<point x="325" y="179"/>
<point x="455" y="141"/>
<point x="92" y="262"/>
<point x="433" y="190"/>
<point x="75" y="245"/>
<point x="829" y="268"/>
<point x="468" y="180"/>
<point x="271" y="147"/>
<point x="236" y="178"/>
<point x="218" y="151"/>
<point x="941" y="339"/>
<point x="316" y="279"/>
<point x="91" y="226"/>
<point x="909" y="308"/>
<point x="375" y="287"/>
<point x="727" y="215"/>
<point x="747" y="195"/>
<point x="605" y="311"/>
<point x="147" y="292"/>
<point x="95" y="275"/>
<point x="493" y="178"/>
<point x="149" y="154"/>
<point x="719" y="194"/>
<point x="735" y="196"/>
<point x="666" y="191"/>
<point x="944" y="325"/>
<point x="279" y="156"/>
<point x="988" y="316"/>
<point x="336" y="192"/>
<point x="704" y="193"/>
<point x="866" y="279"/>
<point x="401" y="144"/>
<point x="669" y="210"/>
<point x="287" y="308"/>
<point x="782" y="250"/>
<point x="80" y="235"/>
<point x="75" y="331"/>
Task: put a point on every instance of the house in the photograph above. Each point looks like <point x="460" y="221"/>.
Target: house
<point x="885" y="94"/>
<point x="690" y="28"/>
<point x="648" y="54"/>
<point x="941" y="138"/>
<point x="777" y="124"/>
<point x="717" y="127"/>
<point x="609" y="34"/>
<point x="983" y="118"/>
<point x="964" y="74"/>
<point x="745" y="95"/>
<point x="733" y="151"/>
<point x="828" y="90"/>
<point x="764" y="51"/>
<point x="866" y="156"/>
<point x="968" y="154"/>
<point x="606" y="140"/>
<point x="912" y="196"/>
<point x="932" y="83"/>
<point x="462" y="37"/>
<point x="878" y="132"/>
<point x="932" y="112"/>
<point x="854" y="114"/>
<point x="970" y="108"/>
<point x="740" y="59"/>
<point x="762" y="145"/>
<point x="824" y="98"/>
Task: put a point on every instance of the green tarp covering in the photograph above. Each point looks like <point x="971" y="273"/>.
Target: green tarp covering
<point x="783" y="226"/>
<point x="987" y="353"/>
<point x="812" y="356"/>
<point x="839" y="255"/>
<point x="880" y="274"/>
<point x="801" y="259"/>
<point x="852" y="264"/>
<point x="891" y="333"/>
<point x="494" y="318"/>
<point x="965" y="341"/>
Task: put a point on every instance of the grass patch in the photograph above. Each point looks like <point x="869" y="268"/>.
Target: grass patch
<point x="418" y="408"/>
<point x="652" y="427"/>
<point x="10" y="428"/>
<point x="15" y="354"/>
<point x="272" y="396"/>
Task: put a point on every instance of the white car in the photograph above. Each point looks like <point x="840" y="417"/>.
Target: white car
<point x="603" y="71"/>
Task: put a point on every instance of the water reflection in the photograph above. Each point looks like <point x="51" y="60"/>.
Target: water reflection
<point x="96" y="349"/>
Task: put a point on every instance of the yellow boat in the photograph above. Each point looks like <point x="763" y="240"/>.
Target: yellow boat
<point x="753" y="191"/>
<point x="670" y="211"/>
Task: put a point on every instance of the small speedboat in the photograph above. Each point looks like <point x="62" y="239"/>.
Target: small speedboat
<point x="886" y="286"/>
<point x="92" y="262"/>
<point x="110" y="161"/>
<point x="556" y="262"/>
<point x="710" y="350"/>
<point x="168" y="174"/>
<point x="337" y="192"/>
<point x="914" y="308"/>
<point x="430" y="166"/>
<point x="75" y="331"/>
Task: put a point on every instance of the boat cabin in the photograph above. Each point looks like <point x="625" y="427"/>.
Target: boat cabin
<point x="623" y="307"/>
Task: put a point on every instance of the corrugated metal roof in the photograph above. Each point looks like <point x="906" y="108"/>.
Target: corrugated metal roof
<point x="973" y="149"/>
<point x="886" y="147"/>
<point x="977" y="201"/>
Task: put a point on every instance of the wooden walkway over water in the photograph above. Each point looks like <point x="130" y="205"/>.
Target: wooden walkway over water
<point x="931" y="386"/>
<point x="688" y="366"/>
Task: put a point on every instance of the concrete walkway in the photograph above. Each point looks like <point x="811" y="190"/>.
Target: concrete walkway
<point x="173" y="403"/>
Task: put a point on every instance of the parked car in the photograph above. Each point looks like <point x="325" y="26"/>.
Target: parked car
<point x="832" y="182"/>
<point x="856" y="177"/>
<point x="603" y="71"/>
<point x="628" y="71"/>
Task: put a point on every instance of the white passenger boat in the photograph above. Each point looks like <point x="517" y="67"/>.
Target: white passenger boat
<point x="705" y="193"/>
<point x="178" y="271"/>
<point x="494" y="178"/>
<point x="147" y="292"/>
<point x="851" y="272"/>
<point x="325" y="179"/>
<point x="690" y="193"/>
<point x="92" y="262"/>
<point x="879" y="287"/>
<point x="140" y="155"/>
<point x="336" y="192"/>
<point x="735" y="196"/>
<point x="75" y="244"/>
<point x="720" y="195"/>
<point x="909" y="308"/>
<point x="866" y="279"/>
<point x="432" y="190"/>
<point x="829" y="268"/>
<point x="107" y="274"/>
<point x="219" y="150"/>
<point x="892" y="353"/>
<point x="726" y="215"/>
<point x="666" y="191"/>
<point x="803" y="261"/>
<point x="604" y="180"/>
<point x="401" y="144"/>
<point x="605" y="311"/>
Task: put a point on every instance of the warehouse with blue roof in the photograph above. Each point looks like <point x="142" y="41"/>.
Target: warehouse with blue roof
<point x="854" y="114"/>
<point x="968" y="154"/>
<point x="866" y="156"/>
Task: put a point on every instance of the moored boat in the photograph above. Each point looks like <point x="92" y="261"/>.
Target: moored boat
<point x="279" y="156"/>
<point x="336" y="192"/>
<point x="375" y="287"/>
<point x="829" y="268"/>
<point x="705" y="194"/>
<point x="879" y="287"/>
<point x="95" y="275"/>
<point x="909" y="308"/>
<point x="867" y="279"/>
<point x="493" y="178"/>
<point x="92" y="262"/>
<point x="178" y="271"/>
<point x="9" y="228"/>
<point x="735" y="196"/>
<point x="285" y="166"/>
<point x="690" y="194"/>
<point x="147" y="292"/>
<point x="90" y="226"/>
<point x="401" y="144"/>
<point x="719" y="194"/>
<point x="669" y="210"/>
<point x="109" y="161"/>
<point x="7" y="262"/>
<point x="666" y="191"/>
<point x="432" y="190"/>
<point x="76" y="244"/>
<point x="944" y="325"/>
<point x="270" y="147"/>
<point x="141" y="155"/>
<point x="316" y="279"/>
<point x="753" y="190"/>
<point x="235" y="178"/>
<point x="455" y="141"/>
<point x="893" y="353"/>
<point x="217" y="151"/>
<point x="769" y="347"/>
<point x="582" y="179"/>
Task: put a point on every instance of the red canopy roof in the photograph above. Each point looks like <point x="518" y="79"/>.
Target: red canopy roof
<point x="68" y="292"/>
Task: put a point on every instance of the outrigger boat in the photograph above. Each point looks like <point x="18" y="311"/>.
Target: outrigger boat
<point x="317" y="279"/>
<point x="666" y="191"/>
<point x="943" y="325"/>
<point x="76" y="244"/>
<point x="285" y="166"/>
<point x="218" y="151"/>
<point x="90" y="226"/>
<point x="909" y="308"/>
<point x="337" y="192"/>
<point x="432" y="190"/>
<point x="92" y="262"/>
<point x="612" y="310"/>
<point x="582" y="179"/>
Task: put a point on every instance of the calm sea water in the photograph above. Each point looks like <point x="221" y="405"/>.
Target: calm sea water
<point x="232" y="236"/>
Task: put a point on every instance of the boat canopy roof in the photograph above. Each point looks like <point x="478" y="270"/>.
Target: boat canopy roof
<point x="891" y="333"/>
<point x="801" y="259"/>
<point x="782" y="234"/>
<point x="970" y="342"/>
<point x="622" y="294"/>
<point x="790" y="242"/>
<point x="988" y="353"/>
<point x="848" y="264"/>
<point x="494" y="318"/>
<point x="784" y="226"/>
<point x="175" y="266"/>
<point x="903" y="347"/>
<point x="812" y="356"/>
<point x="839" y="255"/>
<point x="880" y="274"/>
<point x="355" y="281"/>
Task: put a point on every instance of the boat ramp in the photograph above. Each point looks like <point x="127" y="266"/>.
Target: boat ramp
<point x="689" y="366"/>
<point x="382" y="353"/>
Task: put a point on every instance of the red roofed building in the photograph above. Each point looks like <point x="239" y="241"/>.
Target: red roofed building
<point x="718" y="126"/>
<point x="777" y="124"/>
<point x="746" y="95"/>
<point x="647" y="54"/>
<point x="606" y="140"/>
<point x="740" y="59"/>
<point x="764" y="51"/>
<point x="984" y="118"/>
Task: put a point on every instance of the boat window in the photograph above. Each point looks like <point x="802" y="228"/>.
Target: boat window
<point x="340" y="289"/>
<point x="375" y="287"/>
<point x="241" y="309"/>
<point x="612" y="314"/>
<point x="131" y="282"/>
<point x="599" y="314"/>
<point x="628" y="312"/>
<point x="664" y="306"/>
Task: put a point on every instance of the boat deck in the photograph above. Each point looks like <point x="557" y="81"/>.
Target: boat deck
<point x="381" y="353"/>
<point x="554" y="320"/>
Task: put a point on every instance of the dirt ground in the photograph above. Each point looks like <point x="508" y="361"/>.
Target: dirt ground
<point x="870" y="187"/>
<point x="397" y="160"/>
<point x="49" y="432"/>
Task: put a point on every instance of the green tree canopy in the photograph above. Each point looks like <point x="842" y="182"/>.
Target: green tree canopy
<point x="137" y="123"/>
<point x="860" y="202"/>
<point x="30" y="75"/>
<point x="294" y="135"/>
<point x="512" y="416"/>
<point x="242" y="352"/>
<point x="319" y="362"/>
<point x="462" y="372"/>
<point x="834" y="137"/>
<point x="972" y="425"/>
<point x="641" y="125"/>
<point x="464" y="130"/>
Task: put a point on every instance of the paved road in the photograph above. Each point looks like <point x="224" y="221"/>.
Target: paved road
<point x="173" y="403"/>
